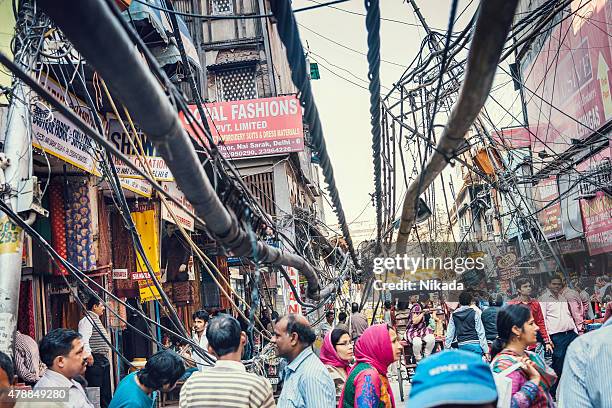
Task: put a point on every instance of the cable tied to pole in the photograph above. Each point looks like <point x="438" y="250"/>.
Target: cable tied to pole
<point x="373" y="27"/>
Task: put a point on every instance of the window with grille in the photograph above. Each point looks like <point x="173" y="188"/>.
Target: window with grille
<point x="222" y="7"/>
<point x="262" y="187"/>
<point x="236" y="84"/>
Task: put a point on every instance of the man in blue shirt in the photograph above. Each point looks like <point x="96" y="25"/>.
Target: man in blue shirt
<point x="584" y="383"/>
<point x="307" y="383"/>
<point x="161" y="372"/>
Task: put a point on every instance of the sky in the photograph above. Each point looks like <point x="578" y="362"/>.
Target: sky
<point x="344" y="106"/>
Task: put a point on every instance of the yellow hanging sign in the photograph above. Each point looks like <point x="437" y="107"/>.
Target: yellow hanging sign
<point x="10" y="236"/>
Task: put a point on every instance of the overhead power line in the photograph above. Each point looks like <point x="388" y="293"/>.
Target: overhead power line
<point x="233" y="17"/>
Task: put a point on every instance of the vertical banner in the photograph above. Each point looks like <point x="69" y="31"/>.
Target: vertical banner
<point x="292" y="304"/>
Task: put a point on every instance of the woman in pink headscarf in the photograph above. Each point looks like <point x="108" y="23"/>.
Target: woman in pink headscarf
<point x="367" y="385"/>
<point x="337" y="355"/>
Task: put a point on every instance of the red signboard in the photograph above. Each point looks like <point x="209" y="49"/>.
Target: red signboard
<point x="570" y="70"/>
<point x="597" y="220"/>
<point x="549" y="215"/>
<point x="254" y="127"/>
<point x="513" y="138"/>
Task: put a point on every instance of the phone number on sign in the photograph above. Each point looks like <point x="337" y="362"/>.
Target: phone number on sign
<point x="39" y="395"/>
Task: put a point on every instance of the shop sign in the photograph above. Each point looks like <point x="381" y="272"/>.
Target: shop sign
<point x="549" y="215"/>
<point x="513" y="138"/>
<point x="253" y="127"/>
<point x="58" y="136"/>
<point x="120" y="273"/>
<point x="597" y="221"/>
<point x="10" y="236"/>
<point x="507" y="264"/>
<point x="147" y="291"/>
<point x="140" y="187"/>
<point x="292" y="304"/>
<point x="121" y="141"/>
<point x="184" y="219"/>
<point x="571" y="246"/>
<point x="580" y="91"/>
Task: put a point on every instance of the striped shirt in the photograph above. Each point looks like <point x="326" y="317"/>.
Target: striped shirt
<point x="307" y="384"/>
<point x="92" y="339"/>
<point x="585" y="382"/>
<point x="27" y="358"/>
<point x="227" y="384"/>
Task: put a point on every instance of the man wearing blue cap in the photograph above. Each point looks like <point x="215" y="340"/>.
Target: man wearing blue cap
<point x="453" y="378"/>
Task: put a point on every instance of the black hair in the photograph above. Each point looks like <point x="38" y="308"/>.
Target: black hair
<point x="496" y="299"/>
<point x="305" y="333"/>
<point x="508" y="317"/>
<point x="387" y="304"/>
<point x="550" y="278"/>
<point x="202" y="315"/>
<point x="354" y="307"/>
<point x="6" y="364"/>
<point x="93" y="301"/>
<point x="223" y="334"/>
<point x="342" y="316"/>
<point x="164" y="367"/>
<point x="57" y="342"/>
<point x="336" y="334"/>
<point x="465" y="298"/>
<point x="522" y="281"/>
<point x="330" y="312"/>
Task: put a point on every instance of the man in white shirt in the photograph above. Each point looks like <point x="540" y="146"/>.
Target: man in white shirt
<point x="96" y="342"/>
<point x="327" y="324"/>
<point x="561" y="317"/>
<point x="63" y="352"/>
<point x="200" y="323"/>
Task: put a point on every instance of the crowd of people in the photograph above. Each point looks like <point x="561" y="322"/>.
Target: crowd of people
<point x="524" y="352"/>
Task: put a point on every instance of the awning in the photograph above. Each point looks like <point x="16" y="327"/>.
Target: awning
<point x="170" y="55"/>
<point x="155" y="29"/>
<point x="151" y="24"/>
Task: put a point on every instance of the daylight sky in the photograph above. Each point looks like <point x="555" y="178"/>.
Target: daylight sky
<point x="343" y="106"/>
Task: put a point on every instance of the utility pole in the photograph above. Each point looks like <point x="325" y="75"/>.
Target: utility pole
<point x="17" y="151"/>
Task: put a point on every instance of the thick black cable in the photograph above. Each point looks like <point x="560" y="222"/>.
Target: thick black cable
<point x="288" y="31"/>
<point x="373" y="27"/>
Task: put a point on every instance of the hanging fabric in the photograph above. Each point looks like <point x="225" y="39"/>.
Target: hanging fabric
<point x="58" y="224"/>
<point x="25" y="318"/>
<point x="79" y="228"/>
